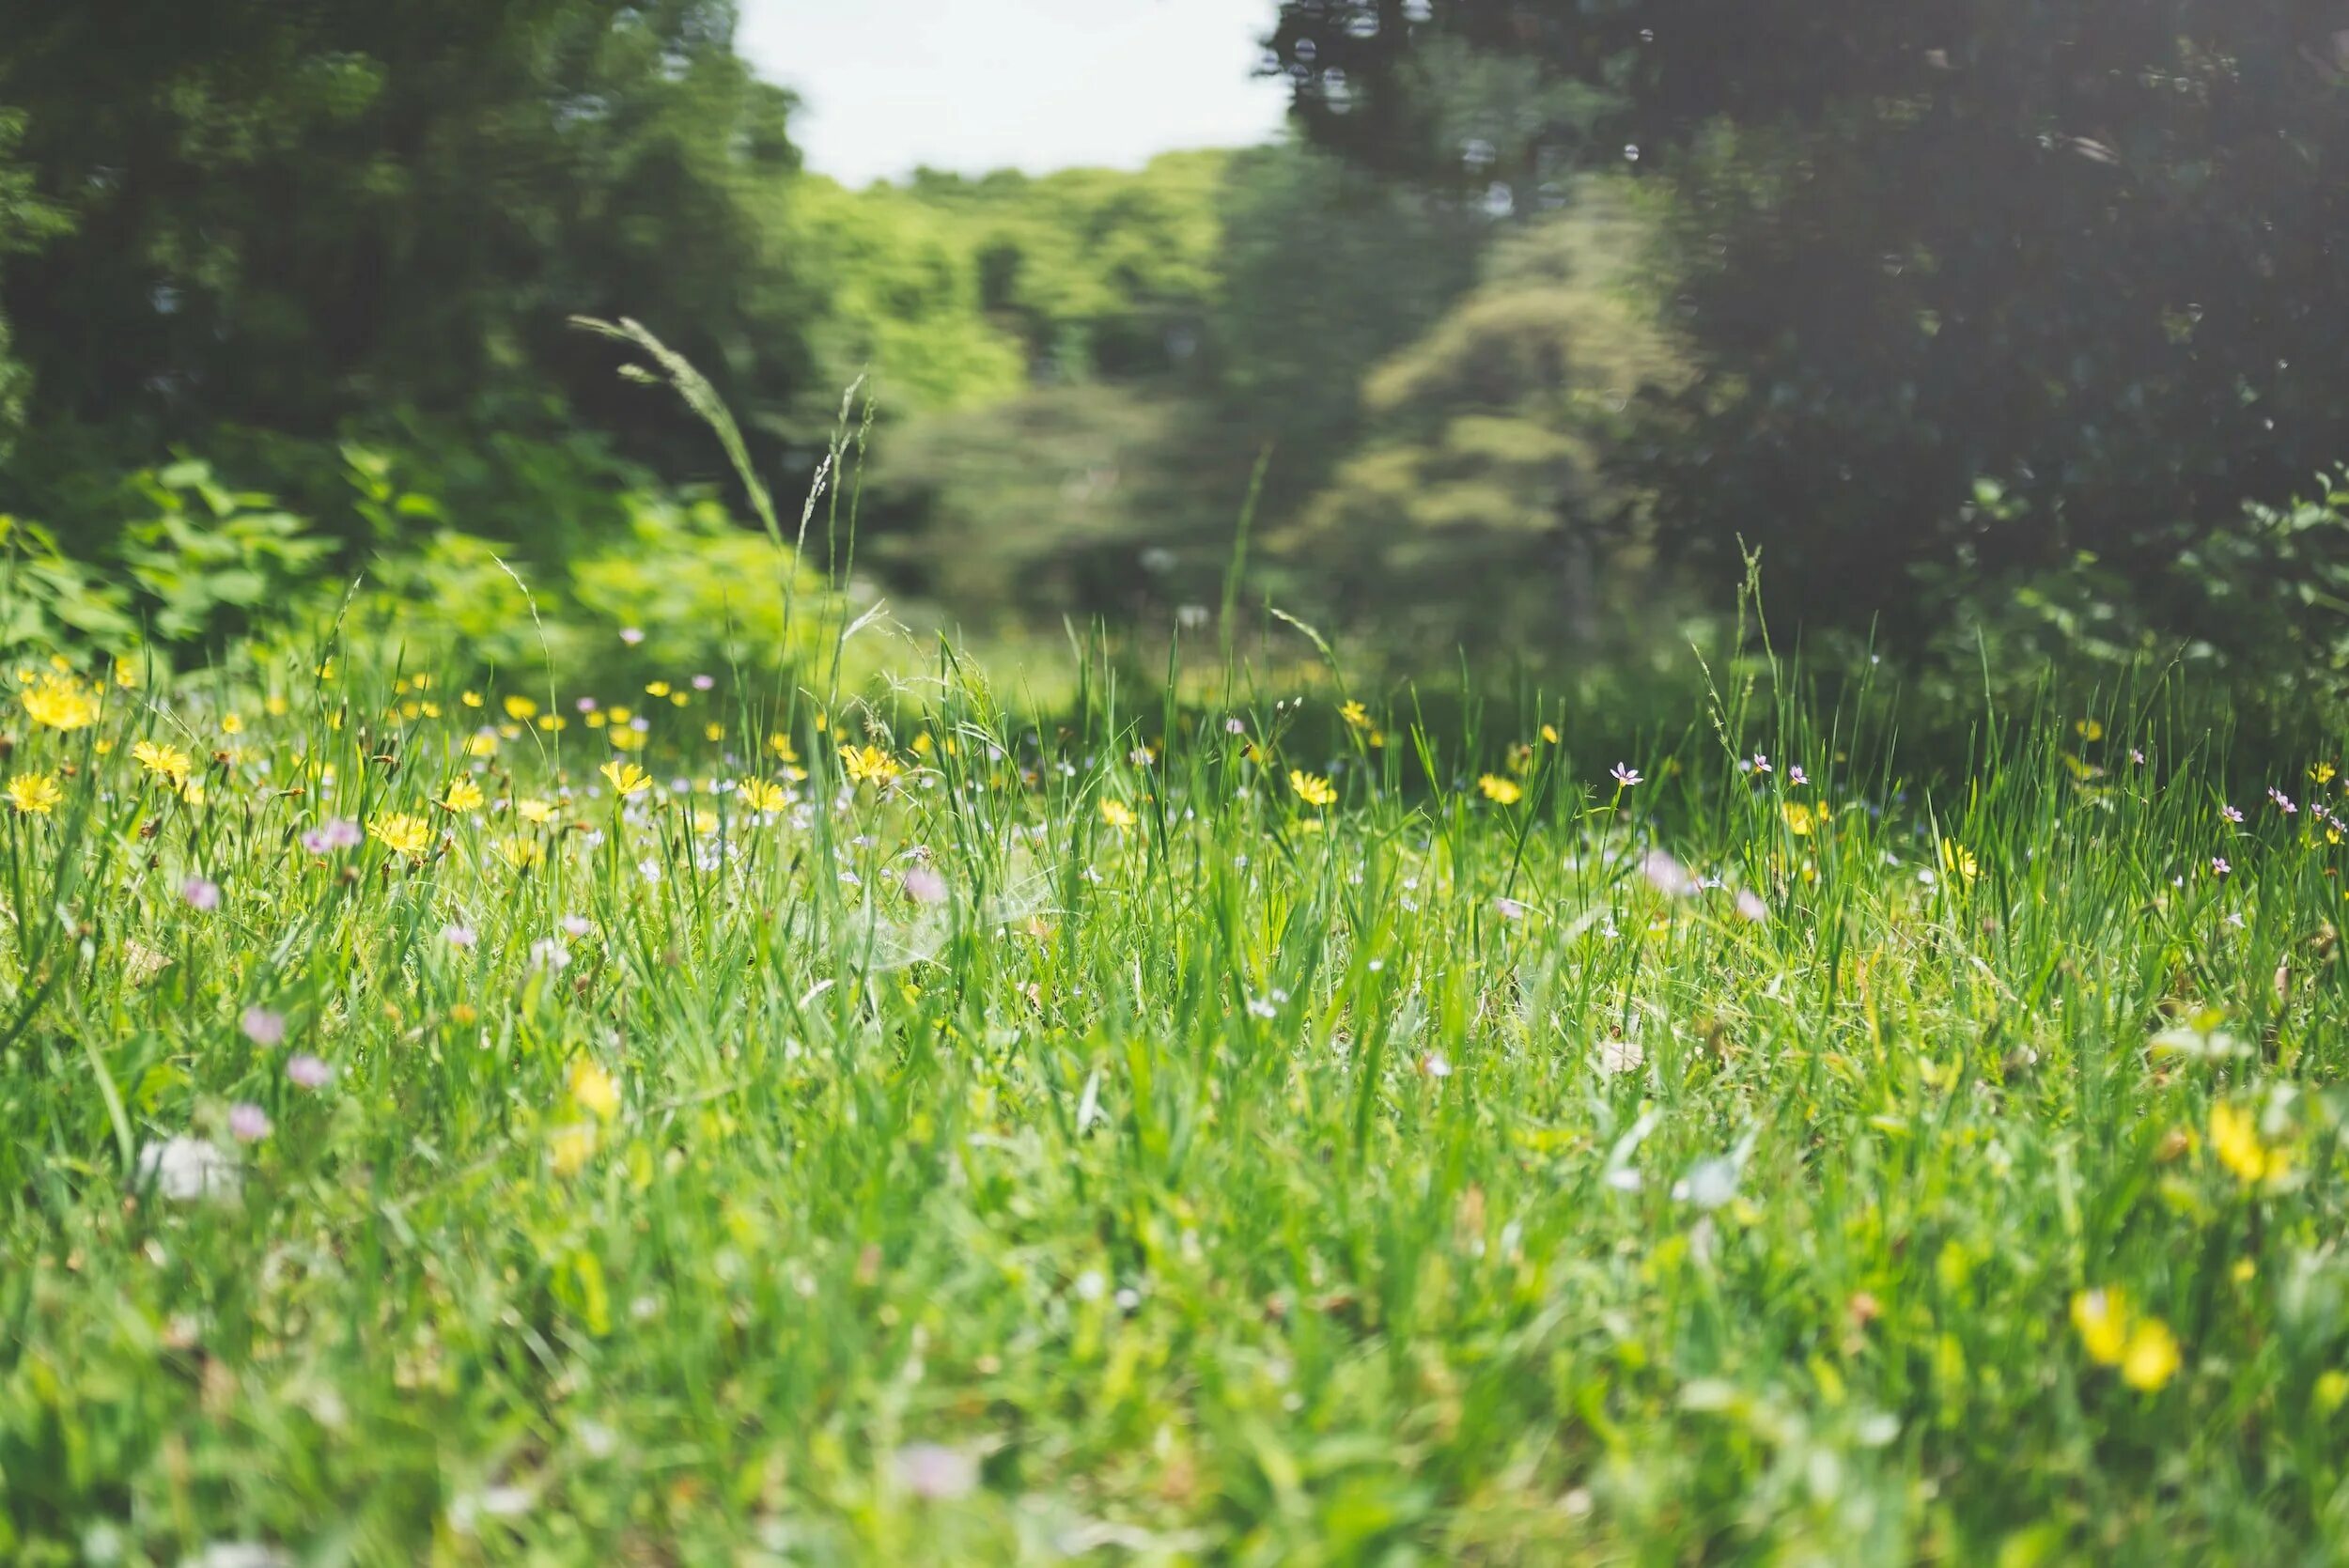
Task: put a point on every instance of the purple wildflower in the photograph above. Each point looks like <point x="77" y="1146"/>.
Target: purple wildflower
<point x="925" y="886"/>
<point x="308" y="1071"/>
<point x="247" y="1123"/>
<point x="201" y="895"/>
<point x="264" y="1028"/>
<point x="1625" y="775"/>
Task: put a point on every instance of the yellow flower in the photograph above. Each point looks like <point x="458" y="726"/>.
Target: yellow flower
<point x="521" y="708"/>
<point x="2151" y="1356"/>
<point x="1959" y="862"/>
<point x="165" y="762"/>
<point x="554" y="723"/>
<point x="627" y="778"/>
<point x="781" y="745"/>
<point x="764" y="794"/>
<point x="461" y="795"/>
<point x="35" y="794"/>
<point x="536" y="811"/>
<point x="923" y="745"/>
<point x="1800" y="819"/>
<point x="713" y="733"/>
<point x="1357" y="717"/>
<point x="2089" y="729"/>
<point x="470" y="699"/>
<point x="2102" y="1317"/>
<point x="58" y="704"/>
<point x="520" y="852"/>
<point x="1500" y="791"/>
<point x="399" y="832"/>
<point x="2322" y="773"/>
<point x="593" y="1090"/>
<point x="1116" y="813"/>
<point x="571" y="1148"/>
<point x="126" y="674"/>
<point x="231" y="723"/>
<point x="1312" y="788"/>
<point x="2235" y="1137"/>
<point x="868" y="765"/>
<point x="483" y="743"/>
<point x="1549" y="733"/>
<point x="655" y="689"/>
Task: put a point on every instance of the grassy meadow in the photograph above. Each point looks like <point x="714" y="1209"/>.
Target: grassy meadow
<point x="450" y="1121"/>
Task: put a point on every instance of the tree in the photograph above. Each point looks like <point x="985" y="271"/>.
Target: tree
<point x="287" y="215"/>
<point x="2082" y="249"/>
<point x="1478" y="510"/>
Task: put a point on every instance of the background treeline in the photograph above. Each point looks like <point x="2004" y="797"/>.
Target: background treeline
<point x="1981" y="321"/>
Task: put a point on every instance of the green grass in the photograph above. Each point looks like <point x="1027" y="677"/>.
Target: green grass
<point x="1407" y="1180"/>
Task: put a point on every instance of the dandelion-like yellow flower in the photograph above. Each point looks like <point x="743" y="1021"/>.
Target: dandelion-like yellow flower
<point x="165" y="762"/>
<point x="56" y="702"/>
<point x="2322" y="773"/>
<point x="868" y="765"/>
<point x="2101" y="1318"/>
<point x="2151" y="1356"/>
<point x="1959" y="862"/>
<point x="571" y="1148"/>
<point x="521" y="708"/>
<point x="2089" y="729"/>
<point x="1357" y="717"/>
<point x="535" y="812"/>
<point x="781" y="745"/>
<point x="1500" y="791"/>
<point x="461" y="797"/>
<point x="626" y="778"/>
<point x="2115" y="1334"/>
<point x="520" y="852"/>
<point x="2235" y="1137"/>
<point x="1117" y="813"/>
<point x="765" y="795"/>
<point x="1803" y="816"/>
<point x="482" y="743"/>
<point x="1312" y="789"/>
<point x="399" y="832"/>
<point x="35" y="794"/>
<point x="627" y="737"/>
<point x="593" y="1092"/>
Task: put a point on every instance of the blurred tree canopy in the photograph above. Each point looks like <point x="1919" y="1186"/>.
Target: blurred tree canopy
<point x="286" y="216"/>
<point x="2082" y="250"/>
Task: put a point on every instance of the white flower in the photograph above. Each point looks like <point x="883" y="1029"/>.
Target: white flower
<point x="936" y="1473"/>
<point x="186" y="1169"/>
<point x="1713" y="1183"/>
<point x="1667" y="875"/>
<point x="1620" y="1056"/>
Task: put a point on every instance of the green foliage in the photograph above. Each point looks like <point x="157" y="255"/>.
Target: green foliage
<point x="1482" y="479"/>
<point x="412" y="1152"/>
<point x="902" y="302"/>
<point x="705" y="593"/>
<point x="2074" y="246"/>
<point x="287" y="215"/>
<point x="210" y="559"/>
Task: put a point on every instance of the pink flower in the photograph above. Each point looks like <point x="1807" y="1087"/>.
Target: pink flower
<point x="1749" y="906"/>
<point x="263" y="1028"/>
<point x="936" y="1473"/>
<point x="247" y="1123"/>
<point x="1667" y="875"/>
<point x="308" y="1071"/>
<point x="201" y="893"/>
<point x="925" y="886"/>
<point x="1625" y="775"/>
<point x="1795" y="775"/>
<point x="1509" y="909"/>
<point x="332" y="834"/>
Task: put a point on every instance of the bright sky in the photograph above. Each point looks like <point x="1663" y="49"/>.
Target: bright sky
<point x="1038" y="85"/>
